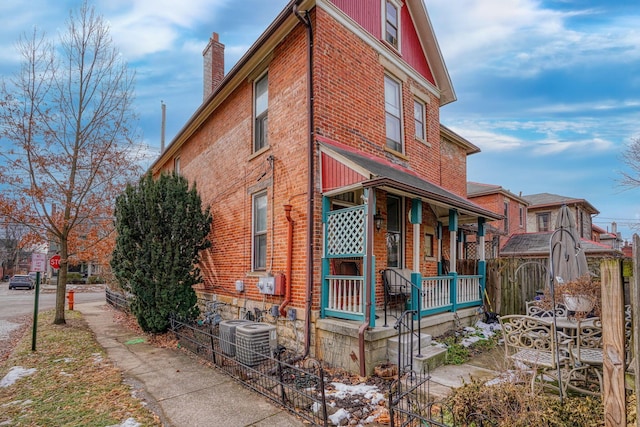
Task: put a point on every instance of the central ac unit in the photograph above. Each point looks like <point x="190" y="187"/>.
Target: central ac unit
<point x="228" y="335"/>
<point x="255" y="342"/>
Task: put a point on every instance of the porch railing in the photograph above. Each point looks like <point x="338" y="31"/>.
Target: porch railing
<point x="344" y="296"/>
<point x="440" y="294"/>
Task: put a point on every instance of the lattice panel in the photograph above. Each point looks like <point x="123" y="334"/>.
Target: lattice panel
<point x="346" y="232"/>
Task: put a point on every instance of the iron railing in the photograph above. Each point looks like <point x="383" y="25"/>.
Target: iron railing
<point x="287" y="379"/>
<point x="116" y="300"/>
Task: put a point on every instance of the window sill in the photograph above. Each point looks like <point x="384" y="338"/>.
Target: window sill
<point x="256" y="273"/>
<point x="424" y="142"/>
<point x="396" y="153"/>
<point x="259" y="152"/>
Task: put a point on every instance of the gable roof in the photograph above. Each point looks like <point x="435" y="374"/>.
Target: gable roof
<point x="476" y="189"/>
<point x="282" y="25"/>
<point x="378" y="172"/>
<point x="537" y="244"/>
<point x="542" y="200"/>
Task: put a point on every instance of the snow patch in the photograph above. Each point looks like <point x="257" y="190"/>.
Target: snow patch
<point x="340" y="415"/>
<point x="15" y="374"/>
<point x="129" y="422"/>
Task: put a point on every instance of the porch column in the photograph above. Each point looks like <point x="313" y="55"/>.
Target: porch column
<point x="416" y="220"/>
<point x="439" y="247"/>
<point x="482" y="265"/>
<point x="453" y="231"/>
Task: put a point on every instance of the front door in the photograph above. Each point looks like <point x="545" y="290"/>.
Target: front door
<point x="394" y="232"/>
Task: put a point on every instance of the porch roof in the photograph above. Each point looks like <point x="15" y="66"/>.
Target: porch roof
<point x="384" y="174"/>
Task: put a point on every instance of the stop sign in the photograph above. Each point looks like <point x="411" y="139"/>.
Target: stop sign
<point x="54" y="262"/>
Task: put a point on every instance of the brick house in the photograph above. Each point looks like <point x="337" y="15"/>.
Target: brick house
<point x="512" y="207"/>
<point x="323" y="160"/>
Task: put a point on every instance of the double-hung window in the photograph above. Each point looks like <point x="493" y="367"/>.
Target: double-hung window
<point x="419" y="120"/>
<point x="393" y="112"/>
<point x="391" y="23"/>
<point x="261" y="109"/>
<point x="543" y="220"/>
<point x="259" y="231"/>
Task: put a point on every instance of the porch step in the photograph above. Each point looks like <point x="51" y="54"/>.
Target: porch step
<point x="392" y="343"/>
<point x="430" y="356"/>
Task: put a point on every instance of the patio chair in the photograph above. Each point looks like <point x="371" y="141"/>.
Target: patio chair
<point x="536" y="310"/>
<point x="533" y="343"/>
<point x="587" y="358"/>
<point x="397" y="288"/>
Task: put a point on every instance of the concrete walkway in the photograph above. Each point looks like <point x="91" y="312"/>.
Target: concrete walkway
<point x="181" y="390"/>
<point x="184" y="392"/>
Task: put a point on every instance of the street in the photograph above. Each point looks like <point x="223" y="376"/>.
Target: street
<point x="16" y="307"/>
<point x="20" y="302"/>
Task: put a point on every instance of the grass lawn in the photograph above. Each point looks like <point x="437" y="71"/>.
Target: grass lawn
<point x="74" y="384"/>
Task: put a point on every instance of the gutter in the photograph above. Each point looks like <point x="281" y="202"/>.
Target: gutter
<point x="303" y="17"/>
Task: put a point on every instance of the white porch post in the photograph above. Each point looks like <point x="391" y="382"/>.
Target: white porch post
<point x="453" y="241"/>
<point x="439" y="247"/>
<point x="416" y="220"/>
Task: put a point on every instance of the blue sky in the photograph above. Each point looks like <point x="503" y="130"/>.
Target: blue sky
<point x="548" y="89"/>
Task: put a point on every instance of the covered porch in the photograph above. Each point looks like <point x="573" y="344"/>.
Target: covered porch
<point x="380" y="216"/>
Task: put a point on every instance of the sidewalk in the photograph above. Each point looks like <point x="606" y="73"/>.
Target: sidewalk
<point x="181" y="390"/>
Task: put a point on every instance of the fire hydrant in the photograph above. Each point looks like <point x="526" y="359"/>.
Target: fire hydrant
<point x="70" y="298"/>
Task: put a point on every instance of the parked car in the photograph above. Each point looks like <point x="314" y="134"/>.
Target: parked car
<point x="21" y="281"/>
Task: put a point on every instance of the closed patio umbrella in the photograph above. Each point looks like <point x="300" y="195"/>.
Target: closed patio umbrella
<point x="567" y="258"/>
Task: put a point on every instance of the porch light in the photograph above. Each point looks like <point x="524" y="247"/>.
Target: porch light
<point x="377" y="219"/>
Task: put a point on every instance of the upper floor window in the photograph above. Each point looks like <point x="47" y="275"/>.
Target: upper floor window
<point x="419" y="120"/>
<point x="259" y="231"/>
<point x="176" y="165"/>
<point x="391" y="22"/>
<point x="393" y="112"/>
<point x="506" y="217"/>
<point x="261" y="108"/>
<point x="543" y="220"/>
<point x="521" y="216"/>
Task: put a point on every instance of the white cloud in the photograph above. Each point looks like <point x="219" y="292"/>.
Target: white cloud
<point x="521" y="38"/>
<point x="141" y="27"/>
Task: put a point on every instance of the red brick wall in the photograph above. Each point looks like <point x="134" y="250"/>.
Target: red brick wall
<point x="349" y="82"/>
<point x="219" y="158"/>
<point x="349" y="108"/>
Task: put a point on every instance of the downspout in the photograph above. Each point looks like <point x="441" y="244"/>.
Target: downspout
<point x="287" y="281"/>
<point x="303" y="17"/>
<point x="368" y="282"/>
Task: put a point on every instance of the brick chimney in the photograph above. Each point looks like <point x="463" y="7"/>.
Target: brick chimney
<point x="213" y="59"/>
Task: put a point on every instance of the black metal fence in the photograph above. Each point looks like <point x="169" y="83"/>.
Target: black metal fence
<point x="285" y="378"/>
<point x="296" y="383"/>
<point x="116" y="300"/>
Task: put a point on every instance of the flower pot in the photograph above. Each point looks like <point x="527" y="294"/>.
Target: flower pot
<point x="579" y="303"/>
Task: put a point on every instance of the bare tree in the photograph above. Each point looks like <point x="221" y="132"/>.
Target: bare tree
<point x="69" y="137"/>
<point x="631" y="157"/>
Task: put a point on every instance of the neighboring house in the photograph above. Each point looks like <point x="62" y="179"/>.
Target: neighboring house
<point x="544" y="208"/>
<point x="323" y="161"/>
<point x="512" y="207"/>
<point x="612" y="239"/>
<point x="541" y="222"/>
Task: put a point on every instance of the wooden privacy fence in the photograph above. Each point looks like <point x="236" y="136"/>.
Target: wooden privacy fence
<point x="513" y="281"/>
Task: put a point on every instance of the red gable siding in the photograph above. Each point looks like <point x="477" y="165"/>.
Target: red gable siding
<point x="412" y="51"/>
<point x="368" y="14"/>
<point x="336" y="174"/>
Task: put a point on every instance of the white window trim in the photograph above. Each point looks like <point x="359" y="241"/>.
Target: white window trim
<point x="424" y="120"/>
<point x="255" y="149"/>
<point x="253" y="230"/>
<point x="400" y="116"/>
<point x="398" y="5"/>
